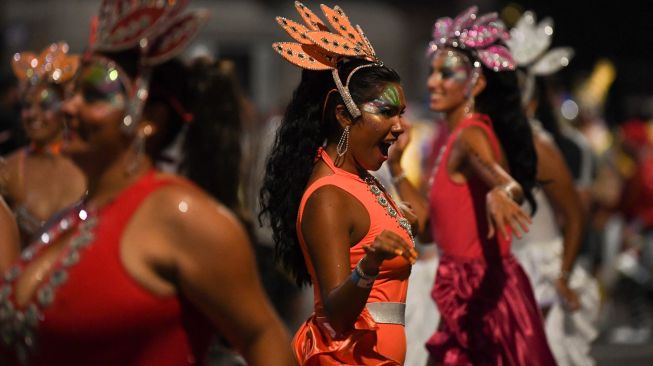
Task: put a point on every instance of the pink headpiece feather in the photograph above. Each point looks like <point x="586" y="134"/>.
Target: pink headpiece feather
<point x="481" y="35"/>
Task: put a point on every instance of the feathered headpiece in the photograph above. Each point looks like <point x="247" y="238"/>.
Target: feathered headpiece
<point x="317" y="48"/>
<point x="53" y="65"/>
<point x="529" y="42"/>
<point x="479" y="35"/>
<point x="158" y="30"/>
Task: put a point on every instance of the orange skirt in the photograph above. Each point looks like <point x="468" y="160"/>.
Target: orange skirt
<point x="369" y="343"/>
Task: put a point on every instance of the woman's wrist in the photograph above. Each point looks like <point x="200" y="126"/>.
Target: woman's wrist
<point x="512" y="190"/>
<point x="564" y="276"/>
<point x="369" y="265"/>
<point x="362" y="277"/>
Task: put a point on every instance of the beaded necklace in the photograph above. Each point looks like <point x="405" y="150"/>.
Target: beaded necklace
<point x="18" y="324"/>
<point x="385" y="201"/>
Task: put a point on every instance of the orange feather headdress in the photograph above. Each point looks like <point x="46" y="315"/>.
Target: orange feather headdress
<point x="317" y="48"/>
<point x="53" y="65"/>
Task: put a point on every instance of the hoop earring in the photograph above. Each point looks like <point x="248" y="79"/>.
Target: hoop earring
<point x="344" y="141"/>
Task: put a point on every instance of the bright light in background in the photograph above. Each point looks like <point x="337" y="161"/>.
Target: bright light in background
<point x="569" y="109"/>
<point x="511" y="13"/>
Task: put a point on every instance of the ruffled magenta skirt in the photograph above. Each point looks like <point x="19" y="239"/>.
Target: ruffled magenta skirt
<point x="489" y="315"/>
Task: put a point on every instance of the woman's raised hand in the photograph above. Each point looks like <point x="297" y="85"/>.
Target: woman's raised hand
<point x="502" y="211"/>
<point x="388" y="245"/>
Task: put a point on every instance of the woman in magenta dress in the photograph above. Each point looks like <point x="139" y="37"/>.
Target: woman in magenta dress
<point x="148" y="267"/>
<point x="486" y="168"/>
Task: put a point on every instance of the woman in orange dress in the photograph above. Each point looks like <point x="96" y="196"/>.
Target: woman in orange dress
<point x="334" y="225"/>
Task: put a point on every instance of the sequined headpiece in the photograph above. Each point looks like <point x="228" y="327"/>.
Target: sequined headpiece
<point x="321" y="49"/>
<point x="479" y="35"/>
<point x="158" y="30"/>
<point x="528" y="43"/>
<point x="53" y="65"/>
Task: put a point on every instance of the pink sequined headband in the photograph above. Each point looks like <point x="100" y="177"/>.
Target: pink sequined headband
<point x="476" y="34"/>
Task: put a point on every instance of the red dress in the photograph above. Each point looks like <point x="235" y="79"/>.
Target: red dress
<point x="488" y="312"/>
<point x="89" y="311"/>
<point x="370" y="342"/>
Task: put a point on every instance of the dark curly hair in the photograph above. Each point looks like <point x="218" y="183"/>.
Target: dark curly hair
<point x="211" y="147"/>
<point x="501" y="101"/>
<point x="308" y="122"/>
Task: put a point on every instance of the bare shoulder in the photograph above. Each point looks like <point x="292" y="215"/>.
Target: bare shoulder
<point x="331" y="206"/>
<point x="189" y="215"/>
<point x="475" y="140"/>
<point x="474" y="134"/>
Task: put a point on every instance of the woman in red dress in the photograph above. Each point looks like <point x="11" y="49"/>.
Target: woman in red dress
<point x="334" y="224"/>
<point x="486" y="168"/>
<point x="148" y="267"/>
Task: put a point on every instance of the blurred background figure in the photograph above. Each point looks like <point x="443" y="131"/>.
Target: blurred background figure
<point x="9" y="237"/>
<point x="565" y="292"/>
<point x="37" y="181"/>
<point x="148" y="262"/>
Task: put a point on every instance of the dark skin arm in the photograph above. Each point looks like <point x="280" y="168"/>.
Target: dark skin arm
<point x="332" y="222"/>
<point x="472" y="155"/>
<point x="560" y="191"/>
<point x="214" y="268"/>
<point x="409" y="193"/>
<point x="9" y="239"/>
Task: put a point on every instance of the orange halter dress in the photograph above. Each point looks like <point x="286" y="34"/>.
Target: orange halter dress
<point x="370" y="341"/>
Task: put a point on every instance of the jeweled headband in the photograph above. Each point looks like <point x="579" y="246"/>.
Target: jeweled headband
<point x="479" y="35"/>
<point x="321" y="49"/>
<point x="53" y="65"/>
<point x="528" y="44"/>
<point x="158" y="30"/>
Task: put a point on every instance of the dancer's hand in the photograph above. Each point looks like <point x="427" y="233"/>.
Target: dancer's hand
<point x="569" y="297"/>
<point x="388" y="245"/>
<point x="503" y="211"/>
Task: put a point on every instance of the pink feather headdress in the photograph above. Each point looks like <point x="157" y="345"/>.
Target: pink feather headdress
<point x="480" y="35"/>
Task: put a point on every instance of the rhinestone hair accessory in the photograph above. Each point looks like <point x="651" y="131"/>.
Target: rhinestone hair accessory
<point x="480" y="35"/>
<point x="158" y="30"/>
<point x="317" y="48"/>
<point x="528" y="43"/>
<point x="53" y="65"/>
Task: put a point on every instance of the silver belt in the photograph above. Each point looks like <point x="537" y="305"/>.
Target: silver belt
<point x="387" y="312"/>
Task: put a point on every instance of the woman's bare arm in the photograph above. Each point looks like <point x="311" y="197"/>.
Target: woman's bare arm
<point x="9" y="237"/>
<point x="472" y="155"/>
<point x="559" y="189"/>
<point x="216" y="271"/>
<point x="332" y="222"/>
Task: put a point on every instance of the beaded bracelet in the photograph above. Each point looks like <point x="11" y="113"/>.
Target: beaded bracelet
<point x="507" y="189"/>
<point x="360" y="278"/>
